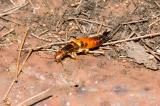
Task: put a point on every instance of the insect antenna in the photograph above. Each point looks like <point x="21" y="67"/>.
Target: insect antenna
<point x="106" y="36"/>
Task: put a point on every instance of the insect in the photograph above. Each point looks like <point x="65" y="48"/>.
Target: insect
<point x="81" y="45"/>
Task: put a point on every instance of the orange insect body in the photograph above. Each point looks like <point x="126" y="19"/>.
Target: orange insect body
<point x="83" y="45"/>
<point x="87" y="43"/>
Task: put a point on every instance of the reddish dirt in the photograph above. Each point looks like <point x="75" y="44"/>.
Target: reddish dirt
<point x="88" y="81"/>
<point x="100" y="81"/>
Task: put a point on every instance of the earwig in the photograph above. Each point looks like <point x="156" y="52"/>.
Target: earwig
<point x="81" y="45"/>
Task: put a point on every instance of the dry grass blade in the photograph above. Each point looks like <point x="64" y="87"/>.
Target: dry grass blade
<point x="11" y="20"/>
<point x="134" y="38"/>
<point x="79" y="26"/>
<point x="90" y="21"/>
<point x="147" y="47"/>
<point x="40" y="38"/>
<point x="42" y="96"/>
<point x="154" y="22"/>
<point x="157" y="3"/>
<point x="8" y="91"/>
<point x="136" y="21"/>
<point x="7" y="33"/>
<point x="13" y="9"/>
<point x="21" y="46"/>
<point x="18" y="69"/>
<point x="44" y="46"/>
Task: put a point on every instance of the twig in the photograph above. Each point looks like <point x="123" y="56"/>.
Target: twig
<point x="90" y="21"/>
<point x="37" y="36"/>
<point x="11" y="30"/>
<point x="151" y="52"/>
<point x="21" y="46"/>
<point x="134" y="38"/>
<point x="44" y="46"/>
<point x="31" y="3"/>
<point x="100" y="27"/>
<point x="13" y="9"/>
<point x="79" y="26"/>
<point x="59" y="23"/>
<point x="10" y="20"/>
<point x="15" y="79"/>
<point x="42" y="96"/>
<point x="43" y="32"/>
<point x="157" y="4"/>
<point x="157" y="53"/>
<point x="131" y="34"/>
<point x="155" y="16"/>
<point x="116" y="30"/>
<point x="154" y="22"/>
<point x="8" y="91"/>
<point x="147" y="47"/>
<point x="136" y="21"/>
<point x="79" y="4"/>
<point x="18" y="69"/>
<point x="52" y="50"/>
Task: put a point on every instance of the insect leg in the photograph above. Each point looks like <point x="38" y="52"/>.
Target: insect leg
<point x="86" y="51"/>
<point x="96" y="52"/>
<point x="73" y="55"/>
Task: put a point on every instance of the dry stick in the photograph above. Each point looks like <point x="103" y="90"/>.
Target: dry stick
<point x="131" y="34"/>
<point x="147" y="47"/>
<point x="79" y="26"/>
<point x="15" y="79"/>
<point x="45" y="46"/>
<point x="37" y="36"/>
<point x="100" y="27"/>
<point x="90" y="21"/>
<point x="10" y="20"/>
<point x="157" y="3"/>
<point x="134" y="38"/>
<point x="151" y="52"/>
<point x="10" y="11"/>
<point x="21" y="46"/>
<point x="117" y="29"/>
<point x="31" y="3"/>
<point x="11" y="30"/>
<point x="8" y="91"/>
<point x="157" y="53"/>
<point x="20" y="69"/>
<point x="136" y="21"/>
<point x="154" y="22"/>
<point x="74" y="4"/>
<point x="43" y="32"/>
<point x="79" y="4"/>
<point x="59" y="23"/>
<point x="42" y="96"/>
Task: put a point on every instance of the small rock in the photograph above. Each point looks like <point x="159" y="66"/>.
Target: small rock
<point x="138" y="53"/>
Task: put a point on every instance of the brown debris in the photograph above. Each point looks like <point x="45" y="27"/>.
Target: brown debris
<point x="122" y="75"/>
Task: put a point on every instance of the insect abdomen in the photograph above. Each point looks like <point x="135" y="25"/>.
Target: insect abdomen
<point x="89" y="43"/>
